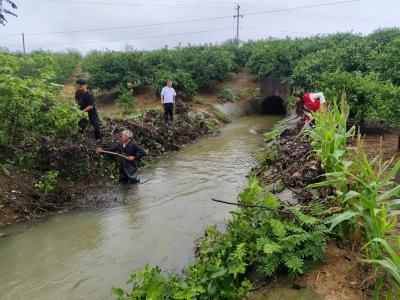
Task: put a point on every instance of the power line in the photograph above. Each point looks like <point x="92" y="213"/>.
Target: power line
<point x="155" y="4"/>
<point x="186" y="21"/>
<point x="128" y="39"/>
<point x="338" y="17"/>
<point x="277" y="30"/>
<point x="129" y="27"/>
<point x="300" y="7"/>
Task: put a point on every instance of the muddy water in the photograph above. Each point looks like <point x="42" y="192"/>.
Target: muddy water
<point x="81" y="255"/>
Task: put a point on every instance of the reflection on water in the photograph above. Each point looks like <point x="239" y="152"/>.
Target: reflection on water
<point x="81" y="255"/>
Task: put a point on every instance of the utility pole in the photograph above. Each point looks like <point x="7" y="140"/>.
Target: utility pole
<point x="238" y="15"/>
<point x="23" y="42"/>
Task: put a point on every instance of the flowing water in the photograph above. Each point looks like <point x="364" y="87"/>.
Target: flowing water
<point x="81" y="255"/>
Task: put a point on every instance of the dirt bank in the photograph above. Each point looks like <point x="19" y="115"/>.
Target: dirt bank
<point x="28" y="192"/>
<point x="80" y="169"/>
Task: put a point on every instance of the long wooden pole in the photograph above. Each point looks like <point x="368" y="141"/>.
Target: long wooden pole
<point x="114" y="153"/>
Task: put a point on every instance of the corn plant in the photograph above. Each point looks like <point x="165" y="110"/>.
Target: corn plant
<point x="372" y="199"/>
<point x="390" y="262"/>
<point x="373" y="202"/>
<point x="329" y="136"/>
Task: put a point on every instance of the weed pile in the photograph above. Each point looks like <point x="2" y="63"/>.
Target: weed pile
<point x="77" y="159"/>
<point x="56" y="170"/>
<point x="154" y="135"/>
<point x="288" y="161"/>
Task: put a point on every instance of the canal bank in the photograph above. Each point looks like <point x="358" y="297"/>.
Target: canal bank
<point x="80" y="255"/>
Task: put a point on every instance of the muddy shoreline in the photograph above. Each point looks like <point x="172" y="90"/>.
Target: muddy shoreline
<point x="81" y="171"/>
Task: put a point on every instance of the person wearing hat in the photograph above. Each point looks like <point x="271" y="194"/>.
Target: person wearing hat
<point x="86" y="103"/>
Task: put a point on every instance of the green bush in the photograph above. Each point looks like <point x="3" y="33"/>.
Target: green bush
<point x="226" y="95"/>
<point x="126" y="101"/>
<point x="47" y="184"/>
<point x="193" y="67"/>
<point x="63" y="121"/>
<point x="369" y="98"/>
<point x="182" y="82"/>
<point x="60" y="64"/>
<point x="26" y="104"/>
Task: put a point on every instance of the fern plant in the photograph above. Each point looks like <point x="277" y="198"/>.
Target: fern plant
<point x="275" y="239"/>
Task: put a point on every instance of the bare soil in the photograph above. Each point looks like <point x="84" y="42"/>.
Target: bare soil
<point x="339" y="278"/>
<point x="241" y="84"/>
<point x="384" y="142"/>
<point x="372" y="144"/>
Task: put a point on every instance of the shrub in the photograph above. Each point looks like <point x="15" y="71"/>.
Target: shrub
<point x="182" y="82"/>
<point x="63" y="121"/>
<point x="126" y="101"/>
<point x="226" y="95"/>
<point x="47" y="184"/>
<point x="193" y="67"/>
<point x="369" y="98"/>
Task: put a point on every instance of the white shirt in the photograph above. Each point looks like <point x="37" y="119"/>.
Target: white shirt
<point x="319" y="96"/>
<point x="168" y="93"/>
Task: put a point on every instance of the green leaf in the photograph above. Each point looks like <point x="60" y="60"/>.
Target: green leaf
<point x="117" y="291"/>
<point x="348" y="196"/>
<point x="220" y="273"/>
<point x="389" y="194"/>
<point x="337" y="219"/>
<point x="294" y="264"/>
<point x="278" y="228"/>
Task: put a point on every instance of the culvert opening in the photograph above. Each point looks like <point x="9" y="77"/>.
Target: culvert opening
<point x="273" y="105"/>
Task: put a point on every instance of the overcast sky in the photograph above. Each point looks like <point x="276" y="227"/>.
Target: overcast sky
<point x="57" y="18"/>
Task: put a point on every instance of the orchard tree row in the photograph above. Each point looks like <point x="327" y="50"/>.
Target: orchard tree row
<point x="367" y="68"/>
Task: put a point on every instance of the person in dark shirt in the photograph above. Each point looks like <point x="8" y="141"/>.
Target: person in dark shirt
<point x="128" y="168"/>
<point x="86" y="103"/>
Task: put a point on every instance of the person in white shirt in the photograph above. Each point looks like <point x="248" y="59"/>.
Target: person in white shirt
<point x="168" y="95"/>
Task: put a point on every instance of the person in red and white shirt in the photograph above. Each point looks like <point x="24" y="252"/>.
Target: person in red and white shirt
<point x="307" y="103"/>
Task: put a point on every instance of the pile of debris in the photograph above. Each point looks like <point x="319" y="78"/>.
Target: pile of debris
<point x="294" y="165"/>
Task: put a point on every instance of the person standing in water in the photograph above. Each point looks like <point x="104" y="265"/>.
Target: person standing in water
<point x="128" y="168"/>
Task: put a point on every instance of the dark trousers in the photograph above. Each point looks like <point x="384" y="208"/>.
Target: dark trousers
<point x="168" y="112"/>
<point x="95" y="121"/>
<point x="132" y="177"/>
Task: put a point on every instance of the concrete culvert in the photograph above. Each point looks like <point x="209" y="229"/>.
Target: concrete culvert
<point x="272" y="105"/>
